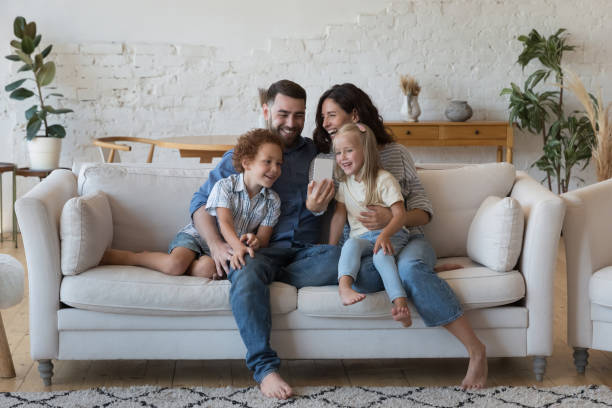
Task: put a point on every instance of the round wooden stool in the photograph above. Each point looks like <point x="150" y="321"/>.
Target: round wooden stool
<point x="4" y="168"/>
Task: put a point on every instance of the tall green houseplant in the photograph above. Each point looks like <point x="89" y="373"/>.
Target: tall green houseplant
<point x="43" y="73"/>
<point x="567" y="138"/>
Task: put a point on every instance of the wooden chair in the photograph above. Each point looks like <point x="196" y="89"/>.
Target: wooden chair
<point x="109" y="143"/>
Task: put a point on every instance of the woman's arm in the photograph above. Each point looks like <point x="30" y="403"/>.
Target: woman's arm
<point x="337" y="223"/>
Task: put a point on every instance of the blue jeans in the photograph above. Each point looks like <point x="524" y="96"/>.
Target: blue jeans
<point x="307" y="265"/>
<point x="354" y="248"/>
<point x="433" y="298"/>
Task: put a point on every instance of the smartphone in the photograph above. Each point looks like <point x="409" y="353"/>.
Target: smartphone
<point x="323" y="169"/>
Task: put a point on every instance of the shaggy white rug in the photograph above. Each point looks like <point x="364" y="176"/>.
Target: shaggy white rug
<point x="332" y="397"/>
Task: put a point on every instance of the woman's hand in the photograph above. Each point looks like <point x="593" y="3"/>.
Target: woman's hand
<point x="238" y="261"/>
<point x="376" y="218"/>
<point x="319" y="195"/>
<point x="383" y="242"/>
<point x="250" y="240"/>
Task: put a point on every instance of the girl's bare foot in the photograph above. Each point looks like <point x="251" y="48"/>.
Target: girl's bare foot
<point x="447" y="267"/>
<point x="273" y="386"/>
<point x="350" y="296"/>
<point x="401" y="312"/>
<point x="476" y="376"/>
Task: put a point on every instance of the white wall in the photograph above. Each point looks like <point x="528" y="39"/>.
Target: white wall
<point x="158" y="68"/>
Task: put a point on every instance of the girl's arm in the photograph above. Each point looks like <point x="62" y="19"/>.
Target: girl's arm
<point x="397" y="222"/>
<point x="337" y="223"/>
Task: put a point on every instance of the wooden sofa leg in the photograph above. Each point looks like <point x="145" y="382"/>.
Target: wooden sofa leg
<point x="45" y="368"/>
<point x="539" y="367"/>
<point x="581" y="359"/>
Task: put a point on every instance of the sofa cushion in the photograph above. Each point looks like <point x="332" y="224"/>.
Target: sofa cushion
<point x="136" y="290"/>
<point x="475" y="286"/>
<point x="86" y="231"/>
<point x="600" y="287"/>
<point x="149" y="202"/>
<point x="495" y="236"/>
<point x="456" y="195"/>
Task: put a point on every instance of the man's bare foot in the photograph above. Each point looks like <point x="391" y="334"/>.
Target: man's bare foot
<point x="476" y="376"/>
<point x="115" y="257"/>
<point x="273" y="386"/>
<point x="350" y="296"/>
<point x="401" y="312"/>
<point x="447" y="267"/>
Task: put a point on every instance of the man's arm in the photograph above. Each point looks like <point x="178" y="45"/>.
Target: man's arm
<point x="220" y="251"/>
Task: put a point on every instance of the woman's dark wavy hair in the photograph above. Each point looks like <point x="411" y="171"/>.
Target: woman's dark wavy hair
<point x="350" y="98"/>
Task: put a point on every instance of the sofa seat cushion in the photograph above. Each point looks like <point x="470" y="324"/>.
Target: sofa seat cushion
<point x="600" y="287"/>
<point x="475" y="285"/>
<point x="136" y="290"/>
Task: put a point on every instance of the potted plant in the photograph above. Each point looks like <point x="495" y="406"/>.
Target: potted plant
<point x="45" y="145"/>
<point x="567" y="137"/>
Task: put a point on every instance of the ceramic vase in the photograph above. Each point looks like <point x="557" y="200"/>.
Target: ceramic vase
<point x="44" y="153"/>
<point x="411" y="109"/>
<point x="458" y="111"/>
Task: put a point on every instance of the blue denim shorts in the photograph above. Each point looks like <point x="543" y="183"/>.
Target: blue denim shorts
<point x="194" y="243"/>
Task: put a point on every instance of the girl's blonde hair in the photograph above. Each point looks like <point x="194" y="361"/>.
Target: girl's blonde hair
<point x="371" y="163"/>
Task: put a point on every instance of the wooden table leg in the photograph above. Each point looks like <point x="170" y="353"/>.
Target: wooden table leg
<point x="509" y="155"/>
<point x="7" y="369"/>
<point x="499" y="153"/>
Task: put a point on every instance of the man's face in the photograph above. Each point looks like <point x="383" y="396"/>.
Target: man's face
<point x="286" y="117"/>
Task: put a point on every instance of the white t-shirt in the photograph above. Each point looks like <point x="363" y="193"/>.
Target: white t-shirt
<point x="352" y="193"/>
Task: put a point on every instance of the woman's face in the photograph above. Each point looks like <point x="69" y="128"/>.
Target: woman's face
<point x="334" y="117"/>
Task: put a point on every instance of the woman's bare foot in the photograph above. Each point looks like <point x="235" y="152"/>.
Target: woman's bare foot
<point x="350" y="296"/>
<point x="447" y="267"/>
<point x="401" y="312"/>
<point x="115" y="257"/>
<point x="476" y="376"/>
<point x="273" y="386"/>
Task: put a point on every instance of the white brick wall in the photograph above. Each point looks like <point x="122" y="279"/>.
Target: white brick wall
<point x="460" y="49"/>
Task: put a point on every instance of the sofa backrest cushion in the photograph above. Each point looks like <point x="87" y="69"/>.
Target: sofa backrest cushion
<point x="149" y="203"/>
<point x="456" y="195"/>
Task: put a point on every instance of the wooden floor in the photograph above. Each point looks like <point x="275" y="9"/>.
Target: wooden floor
<point x="220" y="373"/>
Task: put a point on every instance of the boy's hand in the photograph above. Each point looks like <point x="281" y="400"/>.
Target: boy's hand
<point x="237" y="261"/>
<point x="383" y="242"/>
<point x="250" y="240"/>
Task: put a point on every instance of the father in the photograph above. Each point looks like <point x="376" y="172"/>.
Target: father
<point x="293" y="256"/>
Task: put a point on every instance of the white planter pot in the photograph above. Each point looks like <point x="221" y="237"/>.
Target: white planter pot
<point x="44" y="153"/>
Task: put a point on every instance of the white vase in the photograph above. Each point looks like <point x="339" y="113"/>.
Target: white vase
<point x="410" y="108"/>
<point x="44" y="153"/>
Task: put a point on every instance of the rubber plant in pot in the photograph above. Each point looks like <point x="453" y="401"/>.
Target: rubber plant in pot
<point x="44" y="145"/>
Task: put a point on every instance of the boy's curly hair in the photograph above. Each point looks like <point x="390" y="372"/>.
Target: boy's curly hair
<point x="249" y="143"/>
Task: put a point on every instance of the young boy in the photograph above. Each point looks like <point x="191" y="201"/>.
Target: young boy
<point x="246" y="210"/>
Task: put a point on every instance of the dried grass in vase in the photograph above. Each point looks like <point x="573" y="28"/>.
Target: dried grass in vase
<point x="598" y="116"/>
<point x="409" y="85"/>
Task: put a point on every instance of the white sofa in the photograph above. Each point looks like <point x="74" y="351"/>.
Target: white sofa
<point x="113" y="312"/>
<point x="587" y="232"/>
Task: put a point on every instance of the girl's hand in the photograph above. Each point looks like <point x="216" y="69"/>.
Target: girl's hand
<point x="383" y="242"/>
<point x="250" y="240"/>
<point x="376" y="218"/>
<point x="237" y="261"/>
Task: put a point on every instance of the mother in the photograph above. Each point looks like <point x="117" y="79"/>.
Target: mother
<point x="432" y="297"/>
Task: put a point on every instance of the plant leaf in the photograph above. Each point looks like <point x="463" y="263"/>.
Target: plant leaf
<point x="37" y="40"/>
<point x="33" y="127"/>
<point x="27" y="45"/>
<point x="46" y="73"/>
<point x="13" y="57"/>
<point x="16" y="44"/>
<point x="21" y="94"/>
<point x="46" y="51"/>
<point x="14" y="85"/>
<point x="18" y="26"/>
<point x="31" y="112"/>
<point x="38" y="62"/>
<point x="24" y="68"/>
<point x="30" y="29"/>
<point x="56" y="131"/>
<point x="24" y="57"/>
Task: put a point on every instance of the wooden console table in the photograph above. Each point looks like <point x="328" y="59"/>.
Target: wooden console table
<point x="477" y="133"/>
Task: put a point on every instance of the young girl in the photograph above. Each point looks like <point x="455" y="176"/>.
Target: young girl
<point x="363" y="182"/>
<point x="246" y="210"/>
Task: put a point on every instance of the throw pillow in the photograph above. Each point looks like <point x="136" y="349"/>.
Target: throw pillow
<point x="86" y="231"/>
<point x="495" y="236"/>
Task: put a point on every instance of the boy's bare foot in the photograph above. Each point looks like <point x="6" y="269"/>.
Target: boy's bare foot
<point x="401" y="312"/>
<point x="350" y="296"/>
<point x="115" y="257"/>
<point x="476" y="376"/>
<point x="447" y="267"/>
<point x="273" y="386"/>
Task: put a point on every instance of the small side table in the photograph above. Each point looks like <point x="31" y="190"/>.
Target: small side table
<point x="26" y="172"/>
<point x="4" y="168"/>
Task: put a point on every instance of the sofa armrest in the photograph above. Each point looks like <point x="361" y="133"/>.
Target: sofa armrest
<point x="544" y="213"/>
<point x="39" y="213"/>
<point x="586" y="231"/>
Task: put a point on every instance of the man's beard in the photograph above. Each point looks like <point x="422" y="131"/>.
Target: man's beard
<point x="276" y="130"/>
